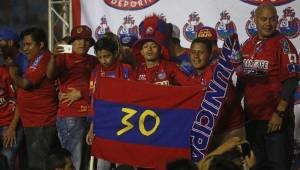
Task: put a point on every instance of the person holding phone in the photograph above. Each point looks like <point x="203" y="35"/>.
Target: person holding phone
<point x="73" y="73"/>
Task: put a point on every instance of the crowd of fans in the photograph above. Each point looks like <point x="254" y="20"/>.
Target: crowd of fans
<point x="46" y="97"/>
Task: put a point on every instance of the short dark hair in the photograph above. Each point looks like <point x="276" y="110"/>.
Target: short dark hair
<point x="182" y="164"/>
<point x="56" y="158"/>
<point x="37" y="34"/>
<point x="204" y="41"/>
<point x="107" y="43"/>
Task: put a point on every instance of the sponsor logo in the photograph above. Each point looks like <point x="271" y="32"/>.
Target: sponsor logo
<point x="192" y="26"/>
<point x="142" y="77"/>
<point x="274" y="2"/>
<point x="225" y="27"/>
<point x="128" y="29"/>
<point x="130" y="4"/>
<point x="289" y="25"/>
<point x="102" y="28"/>
<point x="251" y="26"/>
<point x="255" y="67"/>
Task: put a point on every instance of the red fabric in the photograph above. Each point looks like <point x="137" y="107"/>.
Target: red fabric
<point x="7" y="97"/>
<point x="76" y="12"/>
<point x="38" y="105"/>
<point x="231" y="114"/>
<point x="74" y="72"/>
<point x="138" y="159"/>
<point x="166" y="73"/>
<point x="262" y="93"/>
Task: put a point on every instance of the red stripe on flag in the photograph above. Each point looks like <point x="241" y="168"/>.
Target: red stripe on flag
<point x="157" y="96"/>
<point x="140" y="155"/>
<point x="76" y="12"/>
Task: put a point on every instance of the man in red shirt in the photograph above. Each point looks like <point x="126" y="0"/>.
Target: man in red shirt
<point x="153" y="54"/>
<point x="269" y="77"/>
<point x="73" y="73"/>
<point x="10" y="132"/>
<point x="231" y="119"/>
<point x="36" y="98"/>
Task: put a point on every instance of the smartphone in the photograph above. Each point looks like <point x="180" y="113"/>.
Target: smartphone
<point x="246" y="149"/>
<point x="67" y="48"/>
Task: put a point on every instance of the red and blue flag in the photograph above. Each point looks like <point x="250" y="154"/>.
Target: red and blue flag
<point x="143" y="125"/>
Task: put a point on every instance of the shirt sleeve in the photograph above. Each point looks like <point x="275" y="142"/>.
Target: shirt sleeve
<point x="288" y="60"/>
<point x="179" y="77"/>
<point x="36" y="71"/>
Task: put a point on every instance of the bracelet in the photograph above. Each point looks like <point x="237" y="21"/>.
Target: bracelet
<point x="280" y="113"/>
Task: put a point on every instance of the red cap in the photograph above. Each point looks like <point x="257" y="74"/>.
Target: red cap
<point x="208" y="33"/>
<point x="81" y="31"/>
<point x="154" y="29"/>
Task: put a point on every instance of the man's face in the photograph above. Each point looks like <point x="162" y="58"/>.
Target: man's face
<point x="105" y="58"/>
<point x="30" y="47"/>
<point x="81" y="46"/>
<point x="266" y="21"/>
<point x="151" y="51"/>
<point x="199" y="56"/>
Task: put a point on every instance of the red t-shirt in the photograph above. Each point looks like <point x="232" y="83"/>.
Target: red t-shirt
<point x="7" y="97"/>
<point x="165" y="73"/>
<point x="38" y="105"/>
<point x="118" y="70"/>
<point x="74" y="72"/>
<point x="266" y="65"/>
<point x="231" y="114"/>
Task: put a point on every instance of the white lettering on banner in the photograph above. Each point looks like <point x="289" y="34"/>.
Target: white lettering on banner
<point x="131" y="4"/>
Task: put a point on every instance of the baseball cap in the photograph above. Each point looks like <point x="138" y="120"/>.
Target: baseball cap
<point x="155" y="29"/>
<point x="208" y="33"/>
<point x="81" y="31"/>
<point x="175" y="32"/>
<point x="7" y="33"/>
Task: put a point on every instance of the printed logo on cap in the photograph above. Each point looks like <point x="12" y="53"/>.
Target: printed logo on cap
<point x="251" y="26"/>
<point x="130" y="4"/>
<point x="289" y="25"/>
<point x="192" y="26"/>
<point x="225" y="27"/>
<point x="274" y="2"/>
<point x="79" y="30"/>
<point x="128" y="29"/>
<point x="102" y="28"/>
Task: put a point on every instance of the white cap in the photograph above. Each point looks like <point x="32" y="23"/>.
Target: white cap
<point x="175" y="32"/>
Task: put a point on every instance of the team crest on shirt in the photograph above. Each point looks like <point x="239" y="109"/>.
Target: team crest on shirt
<point x="289" y="25"/>
<point x="128" y="30"/>
<point x="130" y="4"/>
<point x="102" y="28"/>
<point x="274" y="2"/>
<point x="162" y="76"/>
<point x="225" y="27"/>
<point x="251" y="26"/>
<point x="192" y="26"/>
